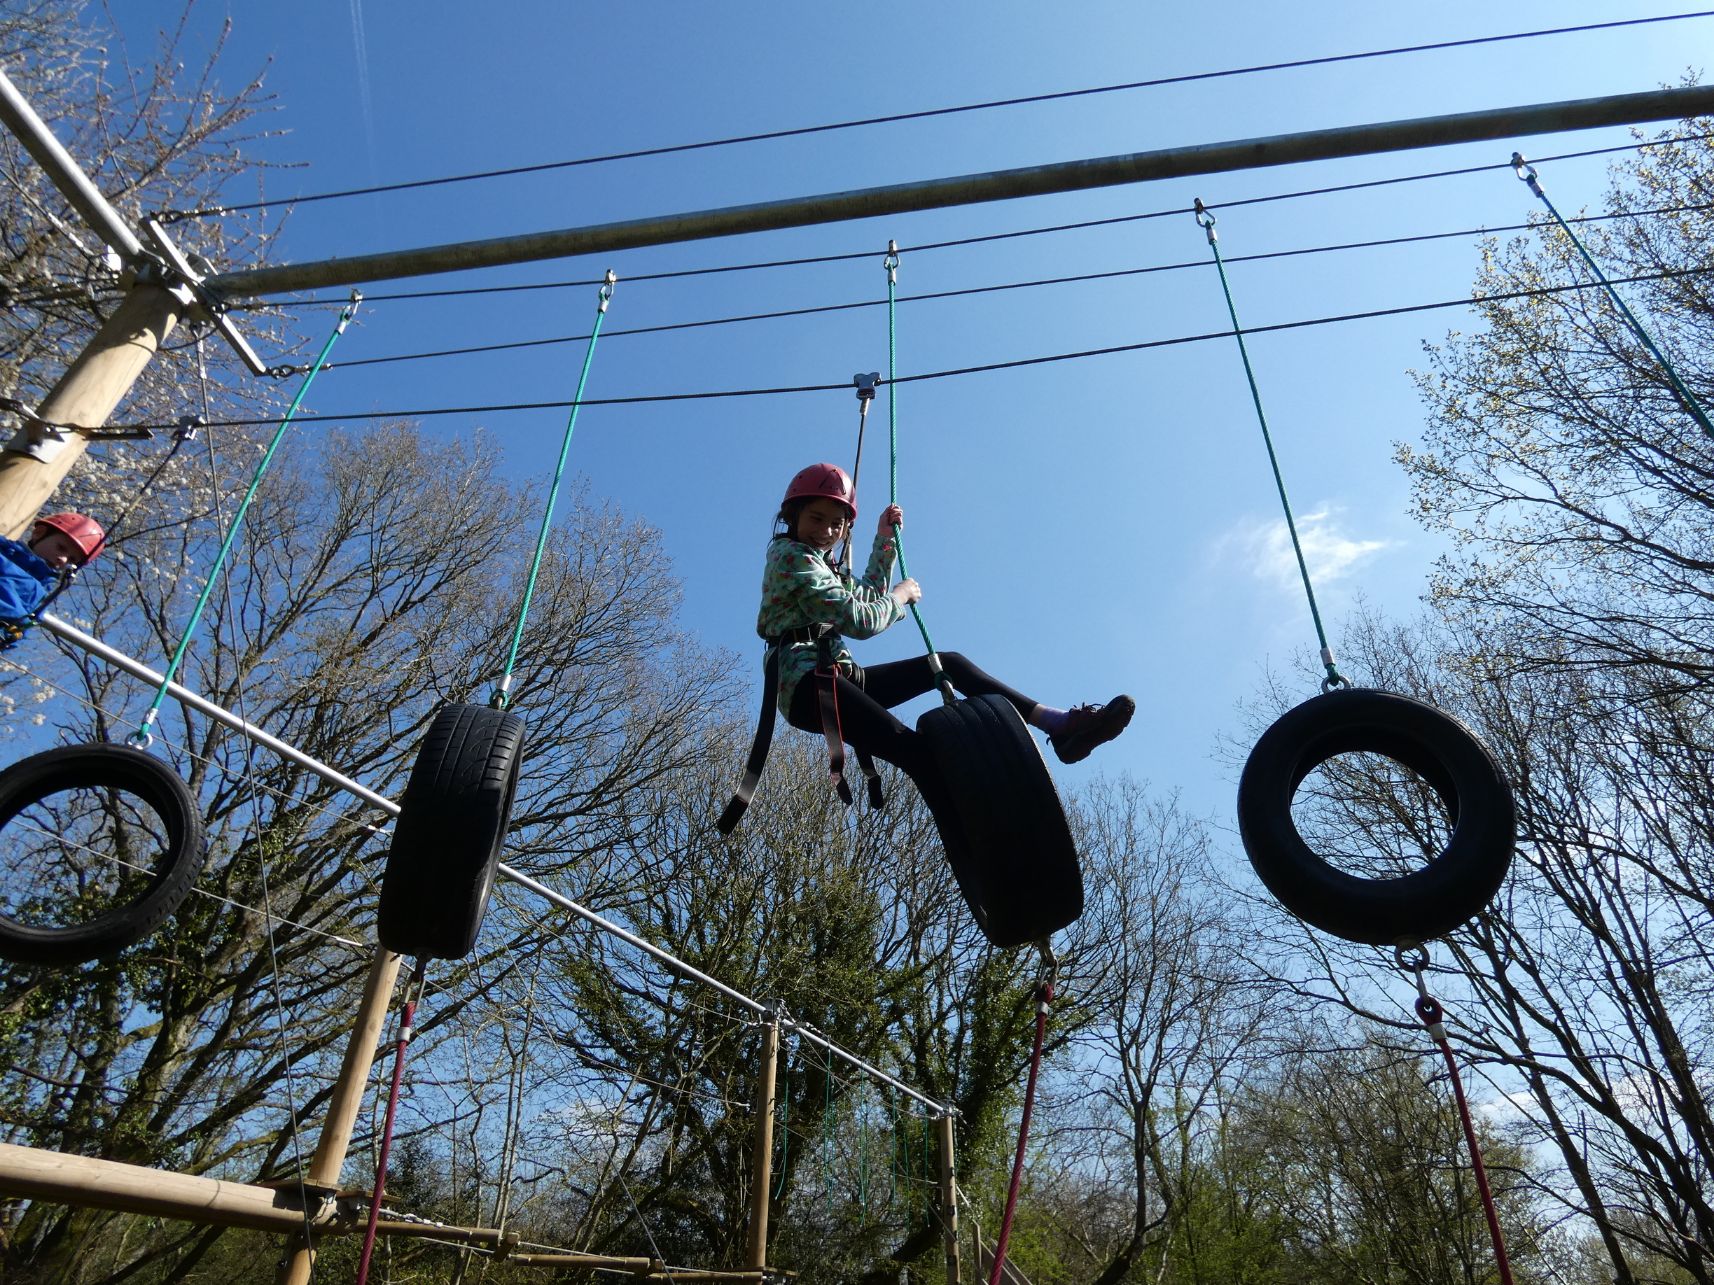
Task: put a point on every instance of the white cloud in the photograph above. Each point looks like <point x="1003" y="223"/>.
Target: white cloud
<point x="1264" y="549"/>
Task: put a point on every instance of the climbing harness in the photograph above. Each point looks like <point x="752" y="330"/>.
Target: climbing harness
<point x="1044" y="997"/>
<point x="1527" y="173"/>
<point x="457" y="805"/>
<point x="143" y="737"/>
<point x="406" y="1017"/>
<point x="1415" y="962"/>
<point x="1343" y="719"/>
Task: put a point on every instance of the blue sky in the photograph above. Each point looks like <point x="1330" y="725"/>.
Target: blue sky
<point x="1081" y="528"/>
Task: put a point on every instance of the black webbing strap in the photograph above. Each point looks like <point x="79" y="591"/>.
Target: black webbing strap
<point x="827" y="690"/>
<point x="866" y="763"/>
<point x="758" y="747"/>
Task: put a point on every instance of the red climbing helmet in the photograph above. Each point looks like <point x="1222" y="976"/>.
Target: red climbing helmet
<point x="823" y="481"/>
<point x="85" y="531"/>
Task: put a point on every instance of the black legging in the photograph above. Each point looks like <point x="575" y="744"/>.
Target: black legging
<point x="866" y="719"/>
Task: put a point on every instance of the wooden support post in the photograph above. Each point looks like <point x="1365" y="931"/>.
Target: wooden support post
<point x="948" y="1199"/>
<point x="34" y="465"/>
<point x="109" y="1184"/>
<point x="342" y="1108"/>
<point x="762" y="1160"/>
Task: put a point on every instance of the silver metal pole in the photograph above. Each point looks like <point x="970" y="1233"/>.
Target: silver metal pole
<point x="227" y="718"/>
<point x="73" y="184"/>
<point x="969" y="189"/>
<point x="119" y="660"/>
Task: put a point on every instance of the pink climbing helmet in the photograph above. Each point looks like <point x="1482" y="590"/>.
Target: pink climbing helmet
<point x="823" y="482"/>
<point x="85" y="531"/>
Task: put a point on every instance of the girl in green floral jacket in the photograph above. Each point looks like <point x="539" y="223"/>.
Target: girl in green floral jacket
<point x="810" y="605"/>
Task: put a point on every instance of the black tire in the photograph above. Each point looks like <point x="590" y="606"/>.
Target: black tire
<point x="452" y="820"/>
<point x="164" y="879"/>
<point x="1455" y="885"/>
<point x="1007" y="838"/>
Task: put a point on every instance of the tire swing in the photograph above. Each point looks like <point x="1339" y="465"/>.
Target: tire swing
<point x="1002" y="823"/>
<point x="77" y="903"/>
<point x="457" y="805"/>
<point x="1409" y="909"/>
<point x="118" y="795"/>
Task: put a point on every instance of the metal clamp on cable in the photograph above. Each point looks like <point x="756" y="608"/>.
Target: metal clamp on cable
<point x="891" y="262"/>
<point x="36" y="431"/>
<point x="865" y="385"/>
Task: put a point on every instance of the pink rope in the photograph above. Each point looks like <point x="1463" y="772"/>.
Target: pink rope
<point x="1044" y="997"/>
<point x="405" y="1018"/>
<point x="1428" y="1009"/>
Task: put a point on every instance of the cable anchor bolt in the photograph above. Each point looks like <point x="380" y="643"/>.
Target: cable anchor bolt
<point x="1205" y="220"/>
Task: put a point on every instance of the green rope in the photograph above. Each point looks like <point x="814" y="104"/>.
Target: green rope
<point x="1205" y="221"/>
<point x="1687" y="399"/>
<point x="501" y="696"/>
<point x="892" y="266"/>
<point x="143" y="736"/>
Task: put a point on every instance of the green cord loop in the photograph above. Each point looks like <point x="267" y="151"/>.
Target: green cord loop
<point x="1205" y="220"/>
<point x="1527" y="173"/>
<point x="501" y="697"/>
<point x="143" y="737"/>
<point x="891" y="262"/>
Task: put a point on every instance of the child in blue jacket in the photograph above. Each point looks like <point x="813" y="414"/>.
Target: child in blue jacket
<point x="59" y="545"/>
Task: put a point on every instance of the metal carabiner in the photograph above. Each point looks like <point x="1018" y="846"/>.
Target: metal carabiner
<point x="1526" y="173"/>
<point x="1205" y="220"/>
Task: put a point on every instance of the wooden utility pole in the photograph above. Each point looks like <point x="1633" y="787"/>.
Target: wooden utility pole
<point x="762" y="1162"/>
<point x="330" y="1150"/>
<point x="948" y="1199"/>
<point x="37" y="460"/>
